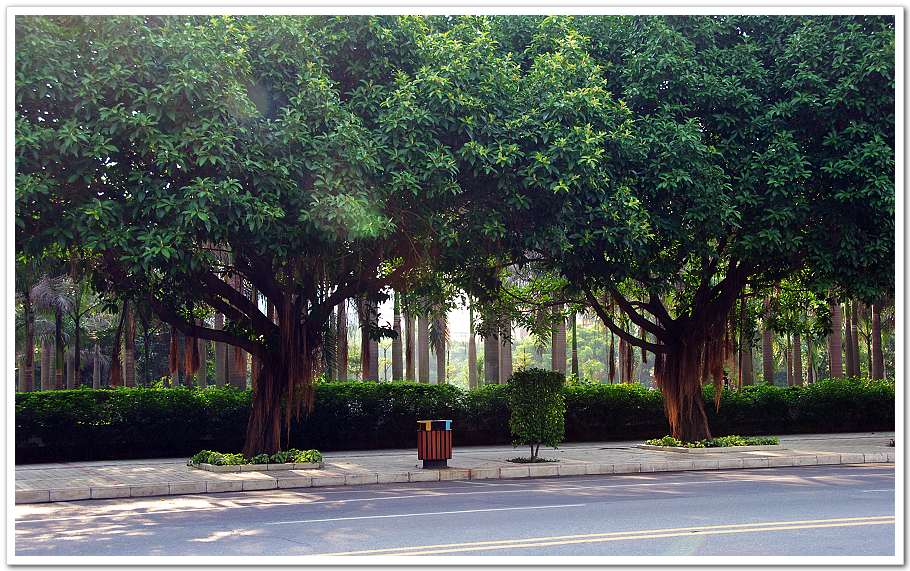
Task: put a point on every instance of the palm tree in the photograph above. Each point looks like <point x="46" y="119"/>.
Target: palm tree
<point x="848" y="340"/>
<point x="397" y="345"/>
<point x="221" y="365"/>
<point x="854" y="337"/>
<point x="472" y="349"/>
<point x="53" y="295"/>
<point x="341" y="337"/>
<point x="491" y="359"/>
<point x="574" y="346"/>
<point x="835" y="368"/>
<point x="797" y="359"/>
<point x="878" y="360"/>
<point x="505" y="353"/>
<point x="767" y="348"/>
<point x="438" y="336"/>
<point x="558" y="345"/>
<point x="423" y="349"/>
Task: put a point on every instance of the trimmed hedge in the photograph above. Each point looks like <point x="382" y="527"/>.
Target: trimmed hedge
<point x="86" y="424"/>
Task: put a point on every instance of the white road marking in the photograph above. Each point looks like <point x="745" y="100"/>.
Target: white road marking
<point x="426" y="514"/>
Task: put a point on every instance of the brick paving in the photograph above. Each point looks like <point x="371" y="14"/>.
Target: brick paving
<point x="72" y="481"/>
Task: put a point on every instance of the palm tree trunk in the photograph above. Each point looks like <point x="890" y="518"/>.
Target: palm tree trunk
<point x="46" y="376"/>
<point x="28" y="361"/>
<point x="472" y="350"/>
<point x="70" y="370"/>
<point x="341" y="335"/>
<point x="59" y="349"/>
<point x="505" y="355"/>
<point x="575" y="346"/>
<point x="129" y="349"/>
<point x="767" y="349"/>
<point x="116" y="373"/>
<point x="797" y="359"/>
<point x="221" y="365"/>
<point x="491" y="359"/>
<point x="558" y="342"/>
<point x="397" y="353"/>
<point x="811" y="374"/>
<point x="878" y="359"/>
<point x="612" y="363"/>
<point x="854" y="335"/>
<point x="788" y="361"/>
<point x="96" y="367"/>
<point x="848" y="340"/>
<point x="440" y="326"/>
<point x="410" y="351"/>
<point x="835" y="367"/>
<point x="374" y="343"/>
<point x="203" y="373"/>
<point x="173" y="358"/>
<point x="745" y="348"/>
<point x="423" y="349"/>
<point x="77" y="347"/>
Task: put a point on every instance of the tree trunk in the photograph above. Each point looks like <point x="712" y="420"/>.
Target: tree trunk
<point x="623" y="354"/>
<point x="423" y="349"/>
<point x="59" y="349"/>
<point x="835" y="367"/>
<point x="854" y="335"/>
<point x="46" y="376"/>
<point x="848" y="340"/>
<point x="221" y="365"/>
<point x="810" y="357"/>
<point x="491" y="359"/>
<point x="878" y="358"/>
<point x="397" y="352"/>
<point x="374" y="343"/>
<point x="96" y="367"/>
<point x="77" y="347"/>
<point x="612" y="364"/>
<point x="745" y="349"/>
<point x="238" y="367"/>
<point x="575" y="372"/>
<point x="797" y="359"/>
<point x="788" y="354"/>
<point x="410" y="350"/>
<point x="116" y="379"/>
<point x="558" y="343"/>
<point x="505" y="356"/>
<point x="767" y="348"/>
<point x="440" y="327"/>
<point x="28" y="362"/>
<point x="203" y="372"/>
<point x="472" y="350"/>
<point x="129" y="349"/>
<point x="679" y="376"/>
<point x="70" y="372"/>
<point x="341" y="336"/>
<point x="173" y="359"/>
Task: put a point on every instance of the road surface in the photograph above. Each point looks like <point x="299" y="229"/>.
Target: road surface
<point x="818" y="510"/>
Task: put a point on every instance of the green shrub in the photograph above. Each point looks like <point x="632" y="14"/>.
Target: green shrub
<point x="538" y="408"/>
<point x="87" y="424"/>
<point x="718" y="442"/>
<point x="259" y="459"/>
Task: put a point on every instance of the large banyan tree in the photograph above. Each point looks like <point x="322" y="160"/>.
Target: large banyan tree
<point x="310" y="159"/>
<point x="762" y="148"/>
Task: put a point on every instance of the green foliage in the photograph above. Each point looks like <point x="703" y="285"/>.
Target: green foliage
<point x="91" y="424"/>
<point x="292" y="455"/>
<point x="717" y="442"/>
<point x="538" y="408"/>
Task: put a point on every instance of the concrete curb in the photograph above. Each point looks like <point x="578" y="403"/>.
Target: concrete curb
<point x="188" y="487"/>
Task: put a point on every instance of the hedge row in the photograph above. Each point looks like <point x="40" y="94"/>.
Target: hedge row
<point x="88" y="424"/>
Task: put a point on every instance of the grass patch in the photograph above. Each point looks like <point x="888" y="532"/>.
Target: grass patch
<point x="719" y="442"/>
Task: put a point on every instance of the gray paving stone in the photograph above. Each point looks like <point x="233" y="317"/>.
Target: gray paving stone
<point x="179" y="488"/>
<point x="484" y="473"/>
<point x="572" y="469"/>
<point x="32" y="496"/>
<point x="149" y="490"/>
<point x="423" y="476"/>
<point x="260" y="484"/>
<point x="108" y="492"/>
<point x="213" y="486"/>
<point x="70" y="494"/>
<point x="515" y="472"/>
<point x="297" y="482"/>
<point x="360" y="479"/>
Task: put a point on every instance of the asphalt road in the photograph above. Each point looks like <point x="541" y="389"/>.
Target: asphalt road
<point x="818" y="510"/>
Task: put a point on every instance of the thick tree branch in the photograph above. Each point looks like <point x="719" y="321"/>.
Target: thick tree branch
<point x="636" y="317"/>
<point x="168" y="315"/>
<point x="619" y="331"/>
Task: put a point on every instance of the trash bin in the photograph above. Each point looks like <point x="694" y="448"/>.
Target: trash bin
<point x="434" y="442"/>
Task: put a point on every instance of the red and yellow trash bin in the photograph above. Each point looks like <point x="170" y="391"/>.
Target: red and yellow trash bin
<point x="434" y="442"/>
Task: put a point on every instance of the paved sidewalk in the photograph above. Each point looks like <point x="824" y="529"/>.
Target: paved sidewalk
<point x="37" y="483"/>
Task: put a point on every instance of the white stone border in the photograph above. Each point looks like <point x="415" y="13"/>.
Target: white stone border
<point x="256" y="467"/>
<point x="713" y="450"/>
